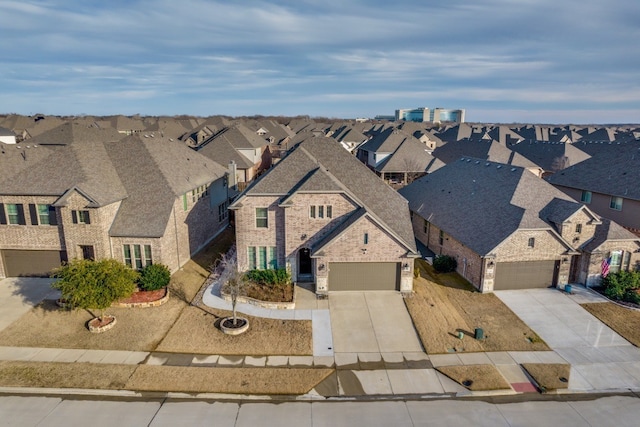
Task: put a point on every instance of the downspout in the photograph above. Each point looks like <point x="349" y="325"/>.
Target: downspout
<point x="175" y="225"/>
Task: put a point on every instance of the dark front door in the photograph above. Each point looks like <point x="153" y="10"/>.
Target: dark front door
<point x="304" y="262"/>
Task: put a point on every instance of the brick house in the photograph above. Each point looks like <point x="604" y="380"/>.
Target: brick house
<point x="509" y="229"/>
<point x="325" y="216"/>
<point x="78" y="192"/>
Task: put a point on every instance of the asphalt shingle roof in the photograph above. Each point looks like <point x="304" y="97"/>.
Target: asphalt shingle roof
<point x="481" y="203"/>
<point x="320" y="164"/>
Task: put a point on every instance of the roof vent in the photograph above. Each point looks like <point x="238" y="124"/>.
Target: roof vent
<point x="513" y="169"/>
<point x="498" y="167"/>
<point x="477" y="162"/>
<point x="487" y="164"/>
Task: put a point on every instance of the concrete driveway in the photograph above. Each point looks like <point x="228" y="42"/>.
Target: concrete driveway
<point x="371" y="322"/>
<point x="20" y="294"/>
<point x="600" y="358"/>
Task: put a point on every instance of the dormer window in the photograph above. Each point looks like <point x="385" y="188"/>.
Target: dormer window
<point x="532" y="242"/>
<point x="578" y="228"/>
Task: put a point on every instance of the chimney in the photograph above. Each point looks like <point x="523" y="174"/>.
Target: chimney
<point x="233" y="175"/>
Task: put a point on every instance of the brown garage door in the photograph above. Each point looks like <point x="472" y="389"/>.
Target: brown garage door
<point x="364" y="276"/>
<point x="31" y="263"/>
<point x="524" y="275"/>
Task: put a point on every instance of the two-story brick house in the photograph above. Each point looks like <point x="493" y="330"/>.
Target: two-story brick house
<point x="325" y="216"/>
<point x="79" y="192"/>
<point x="509" y="229"/>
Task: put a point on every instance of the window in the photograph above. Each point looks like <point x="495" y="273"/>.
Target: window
<point x="616" y="203"/>
<point x="184" y="202"/>
<point x="43" y="214"/>
<point x="320" y="211"/>
<point x="223" y="212"/>
<point x="441" y="237"/>
<point x="578" y="228"/>
<point x="425" y="226"/>
<point x="80" y="217"/>
<point x="585" y="197"/>
<point x="87" y="252"/>
<point x="626" y="260"/>
<point x="137" y="256"/>
<point x="616" y="261"/>
<point x="366" y="238"/>
<point x="262" y="220"/>
<point x="262" y="257"/>
<point x="15" y="214"/>
<point x="532" y="242"/>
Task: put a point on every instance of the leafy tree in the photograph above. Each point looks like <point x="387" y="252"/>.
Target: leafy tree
<point x="91" y="284"/>
<point x="620" y="285"/>
<point x="154" y="276"/>
<point x="445" y="264"/>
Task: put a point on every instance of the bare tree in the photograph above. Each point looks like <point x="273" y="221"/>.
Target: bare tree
<point x="233" y="281"/>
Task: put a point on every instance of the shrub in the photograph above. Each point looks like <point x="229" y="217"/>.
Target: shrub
<point x="94" y="284"/>
<point x="279" y="276"/>
<point x="617" y="285"/>
<point x="154" y="276"/>
<point x="445" y="264"/>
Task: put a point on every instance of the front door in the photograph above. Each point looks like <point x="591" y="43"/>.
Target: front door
<point x="304" y="264"/>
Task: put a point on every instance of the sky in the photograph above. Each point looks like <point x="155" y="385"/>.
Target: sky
<point x="531" y="61"/>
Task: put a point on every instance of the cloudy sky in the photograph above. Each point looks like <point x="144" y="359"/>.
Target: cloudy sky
<point x="553" y="61"/>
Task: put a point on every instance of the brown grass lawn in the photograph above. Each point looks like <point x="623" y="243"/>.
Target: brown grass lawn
<point x="476" y="377"/>
<point x="624" y="321"/>
<point x="227" y="380"/>
<point x="194" y="332"/>
<point x="444" y="304"/>
<point x="548" y="375"/>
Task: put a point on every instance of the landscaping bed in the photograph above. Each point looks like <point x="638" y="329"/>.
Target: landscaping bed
<point x="549" y="376"/>
<point x="269" y="292"/>
<point x="443" y="305"/>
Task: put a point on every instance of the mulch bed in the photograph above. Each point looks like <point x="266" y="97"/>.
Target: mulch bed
<point x="270" y="293"/>
<point x="144" y="296"/>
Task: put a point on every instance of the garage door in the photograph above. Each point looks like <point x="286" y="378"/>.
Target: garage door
<point x="31" y="263"/>
<point x="524" y="275"/>
<point x="364" y="276"/>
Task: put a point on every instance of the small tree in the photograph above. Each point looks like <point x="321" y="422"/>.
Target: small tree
<point x="621" y="285"/>
<point x="233" y="281"/>
<point x="91" y="284"/>
<point x="444" y="264"/>
<point x="154" y="276"/>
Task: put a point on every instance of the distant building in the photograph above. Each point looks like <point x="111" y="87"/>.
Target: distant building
<point x="435" y="115"/>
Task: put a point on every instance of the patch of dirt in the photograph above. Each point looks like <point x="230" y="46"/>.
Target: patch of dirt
<point x="144" y="296"/>
<point x="549" y="376"/>
<point x="445" y="305"/>
<point x="270" y="293"/>
<point x="196" y="331"/>
<point x="622" y="320"/>
<point x="64" y="375"/>
<point x="283" y="381"/>
<point x="476" y="377"/>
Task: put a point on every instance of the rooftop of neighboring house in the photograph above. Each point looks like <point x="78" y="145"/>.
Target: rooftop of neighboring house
<point x="550" y="156"/>
<point x="482" y="149"/>
<point x="387" y="141"/>
<point x="481" y="203"/>
<point x="320" y="164"/>
<point x="614" y="172"/>
<point x="410" y="156"/>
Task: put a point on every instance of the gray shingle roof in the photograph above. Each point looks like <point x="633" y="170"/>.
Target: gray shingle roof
<point x="223" y="152"/>
<point x="481" y="149"/>
<point x="481" y="203"/>
<point x="550" y="156"/>
<point x="609" y="231"/>
<point x="300" y="171"/>
<point x="410" y="156"/>
<point x="615" y="172"/>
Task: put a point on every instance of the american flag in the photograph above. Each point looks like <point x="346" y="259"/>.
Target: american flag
<point x="605" y="267"/>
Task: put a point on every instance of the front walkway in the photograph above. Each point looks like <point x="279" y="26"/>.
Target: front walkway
<point x="600" y="358"/>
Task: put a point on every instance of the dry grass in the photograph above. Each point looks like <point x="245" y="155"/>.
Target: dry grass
<point x="226" y="380"/>
<point x="622" y="320"/>
<point x="547" y="375"/>
<point x="445" y="304"/>
<point x="194" y="332"/>
<point x="476" y="377"/>
<point x="64" y="375"/>
<point x="46" y="325"/>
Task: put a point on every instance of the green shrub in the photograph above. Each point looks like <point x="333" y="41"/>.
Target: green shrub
<point x="445" y="264"/>
<point x="279" y="276"/>
<point x="154" y="276"/>
<point x="416" y="272"/>
<point x="617" y="285"/>
<point x="94" y="284"/>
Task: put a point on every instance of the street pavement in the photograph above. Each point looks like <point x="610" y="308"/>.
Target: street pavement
<point x="600" y="358"/>
<point x="27" y="411"/>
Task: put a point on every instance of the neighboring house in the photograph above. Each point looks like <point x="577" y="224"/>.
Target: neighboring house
<point x="328" y="219"/>
<point x="245" y="147"/>
<point x="6" y="136"/>
<point x="509" y="229"/>
<point x="550" y="156"/>
<point x="79" y="192"/>
<point x="609" y="183"/>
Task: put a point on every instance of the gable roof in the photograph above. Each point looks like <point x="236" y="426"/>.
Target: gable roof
<point x="481" y="203"/>
<point x="481" y="149"/>
<point x="321" y="165"/>
<point x="550" y="156"/>
<point x="609" y="231"/>
<point x="410" y="156"/>
<point x="615" y="173"/>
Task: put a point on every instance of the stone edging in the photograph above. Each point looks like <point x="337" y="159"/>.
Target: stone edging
<point x="155" y="303"/>
<point x="99" y="329"/>
<point x="264" y="304"/>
